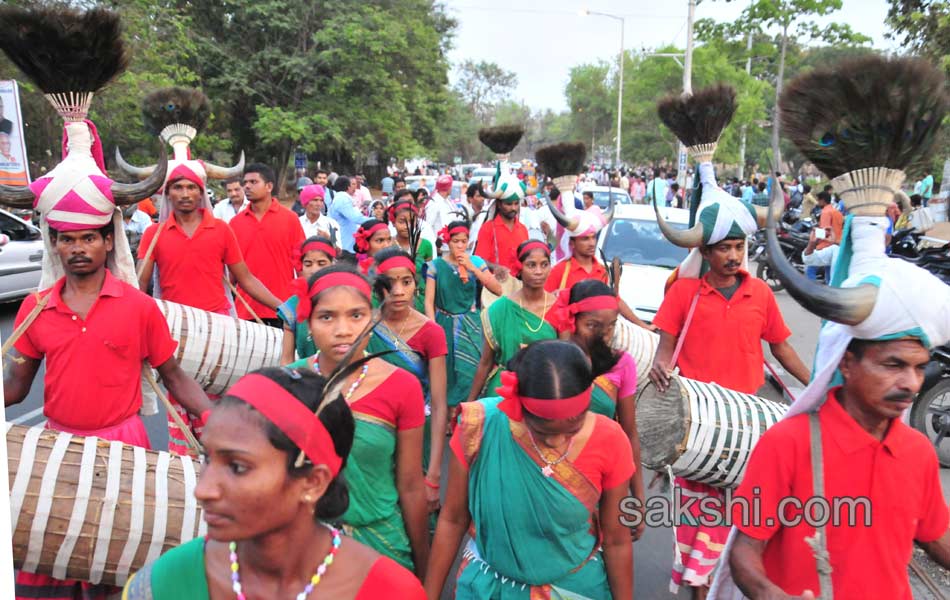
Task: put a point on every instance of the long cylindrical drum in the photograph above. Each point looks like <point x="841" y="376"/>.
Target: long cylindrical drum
<point x="703" y="431"/>
<point x="90" y="509"/>
<point x="217" y="350"/>
<point x="640" y="344"/>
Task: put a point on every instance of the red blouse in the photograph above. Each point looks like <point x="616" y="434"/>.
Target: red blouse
<point x="389" y="579"/>
<point x="429" y="341"/>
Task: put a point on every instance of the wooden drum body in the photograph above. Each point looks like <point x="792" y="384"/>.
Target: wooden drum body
<point x="217" y="350"/>
<point x="93" y="510"/>
<point x="640" y="344"/>
<point x="703" y="431"/>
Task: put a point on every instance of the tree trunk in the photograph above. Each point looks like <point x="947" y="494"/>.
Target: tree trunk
<point x="776" y="127"/>
<point x="280" y="169"/>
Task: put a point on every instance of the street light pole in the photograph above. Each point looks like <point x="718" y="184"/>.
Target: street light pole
<point x="687" y="84"/>
<point x="585" y="13"/>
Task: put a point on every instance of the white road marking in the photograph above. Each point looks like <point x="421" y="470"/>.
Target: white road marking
<point x="22" y="419"/>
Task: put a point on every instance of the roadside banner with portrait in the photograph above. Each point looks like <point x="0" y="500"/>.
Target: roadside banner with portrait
<point x="14" y="169"/>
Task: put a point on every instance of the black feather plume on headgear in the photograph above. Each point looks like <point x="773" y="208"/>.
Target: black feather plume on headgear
<point x="865" y="112"/>
<point x="698" y="118"/>
<point x="63" y="49"/>
<point x="559" y="160"/>
<point x="171" y="105"/>
<point x="501" y="139"/>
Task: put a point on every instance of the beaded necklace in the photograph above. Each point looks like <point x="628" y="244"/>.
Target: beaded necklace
<point x="356" y="384"/>
<point x="314" y="581"/>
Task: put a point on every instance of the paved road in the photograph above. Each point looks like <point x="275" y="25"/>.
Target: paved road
<point x="653" y="554"/>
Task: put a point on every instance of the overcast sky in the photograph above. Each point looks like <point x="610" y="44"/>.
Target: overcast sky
<point x="540" y="40"/>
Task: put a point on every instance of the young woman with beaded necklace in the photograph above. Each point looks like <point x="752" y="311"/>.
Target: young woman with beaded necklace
<point x="513" y="322"/>
<point x="387" y="495"/>
<point x="269" y="486"/>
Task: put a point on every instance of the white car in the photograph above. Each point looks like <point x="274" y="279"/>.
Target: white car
<point x="602" y="195"/>
<point x="21" y="259"/>
<point x="648" y="258"/>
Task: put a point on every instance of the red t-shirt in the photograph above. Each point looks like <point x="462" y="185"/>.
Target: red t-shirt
<point x="499" y="245"/>
<point x="93" y="365"/>
<point x="397" y="401"/>
<point x="268" y="247"/>
<point x="724" y="340"/>
<point x="899" y="476"/>
<point x="429" y="341"/>
<point x="575" y="272"/>
<point x="191" y="269"/>
<point x="389" y="579"/>
<point x="606" y="459"/>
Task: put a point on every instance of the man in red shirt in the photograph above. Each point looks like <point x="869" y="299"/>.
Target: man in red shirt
<point x="499" y="238"/>
<point x="732" y="313"/>
<point x="267" y="234"/>
<point x="869" y="455"/>
<point x="193" y="249"/>
<point x="94" y="333"/>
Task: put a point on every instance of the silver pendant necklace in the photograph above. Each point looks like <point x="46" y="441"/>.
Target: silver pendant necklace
<point x="548" y="469"/>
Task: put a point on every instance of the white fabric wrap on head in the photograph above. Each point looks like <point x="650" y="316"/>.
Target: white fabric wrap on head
<point x="908" y="298"/>
<point x="72" y="174"/>
<point x="731" y="210"/>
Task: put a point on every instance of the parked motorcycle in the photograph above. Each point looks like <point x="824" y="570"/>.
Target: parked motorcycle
<point x="793" y="235"/>
<point x="930" y="413"/>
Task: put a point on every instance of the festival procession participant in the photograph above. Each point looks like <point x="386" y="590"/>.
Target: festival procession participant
<point x="452" y="302"/>
<point x="314" y="254"/>
<point x="235" y="202"/>
<point x="715" y="314"/>
<point x="587" y="315"/>
<point x="404" y="219"/>
<point x="843" y="437"/>
<point x="582" y="264"/>
<point x="187" y="229"/>
<point x="314" y="222"/>
<point x="387" y="495"/>
<point x="438" y="211"/>
<point x="90" y="324"/>
<point x="268" y="235"/>
<point x="275" y="445"/>
<point x="538" y="481"/>
<point x="416" y="344"/>
<point x="475" y="198"/>
<point x="371" y="237"/>
<point x="517" y="320"/>
<point x="501" y="234"/>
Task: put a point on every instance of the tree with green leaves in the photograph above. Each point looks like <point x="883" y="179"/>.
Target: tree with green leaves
<point x="923" y="27"/>
<point x="484" y="85"/>
<point x="794" y="22"/>
<point x="590" y="92"/>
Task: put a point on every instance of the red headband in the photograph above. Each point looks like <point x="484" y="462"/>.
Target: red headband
<point x="362" y="236"/>
<point x="529" y="247"/>
<point x="394" y="262"/>
<point x="315" y="246"/>
<point x="446" y="234"/>
<point x="304" y="296"/>
<point x="564" y="313"/>
<point x="514" y="405"/>
<point x="284" y="410"/>
<point x="402" y="205"/>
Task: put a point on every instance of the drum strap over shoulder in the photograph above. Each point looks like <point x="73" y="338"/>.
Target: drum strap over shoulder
<point x="819" y="542"/>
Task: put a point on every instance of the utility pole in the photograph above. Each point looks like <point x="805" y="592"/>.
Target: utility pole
<point x="619" y="97"/>
<point x="687" y="85"/>
<point x="748" y="71"/>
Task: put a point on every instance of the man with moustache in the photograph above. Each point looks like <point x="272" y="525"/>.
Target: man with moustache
<point x="729" y="313"/>
<point x="499" y="237"/>
<point x="228" y="208"/>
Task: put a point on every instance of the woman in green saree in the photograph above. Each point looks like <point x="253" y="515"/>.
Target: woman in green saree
<point x="387" y="495"/>
<point x="274" y="446"/>
<point x="538" y="480"/>
<point x="513" y="322"/>
<point x="451" y="300"/>
<point x="404" y="217"/>
<point x="590" y="318"/>
<point x="416" y="344"/>
<point x="314" y="254"/>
